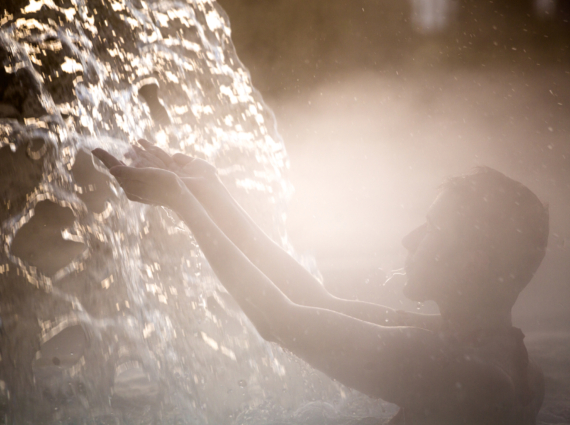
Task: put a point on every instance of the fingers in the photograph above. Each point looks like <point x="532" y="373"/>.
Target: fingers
<point x="145" y="143"/>
<point x="151" y="156"/>
<point x="106" y="158"/>
<point x="137" y="160"/>
<point x="134" y="181"/>
<point x="123" y="173"/>
<point x="153" y="176"/>
<point x="182" y="159"/>
<point x="149" y="160"/>
<point x="148" y="185"/>
<point x="156" y="151"/>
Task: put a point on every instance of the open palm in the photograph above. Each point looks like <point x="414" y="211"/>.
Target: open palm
<point x="149" y="185"/>
<point x="184" y="166"/>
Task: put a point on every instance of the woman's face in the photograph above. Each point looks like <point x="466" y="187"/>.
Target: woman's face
<point x="437" y="255"/>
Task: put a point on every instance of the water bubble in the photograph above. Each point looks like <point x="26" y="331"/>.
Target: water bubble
<point x="242" y="383"/>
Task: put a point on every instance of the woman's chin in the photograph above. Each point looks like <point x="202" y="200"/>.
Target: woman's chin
<point x="414" y="292"/>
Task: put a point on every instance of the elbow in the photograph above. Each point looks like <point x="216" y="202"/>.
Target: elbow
<point x="264" y="331"/>
<point x="269" y="321"/>
<point x="277" y="322"/>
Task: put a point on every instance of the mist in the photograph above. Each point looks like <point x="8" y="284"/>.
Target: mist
<point x="379" y="102"/>
<point x="117" y="312"/>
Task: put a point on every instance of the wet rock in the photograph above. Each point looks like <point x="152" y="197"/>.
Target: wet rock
<point x="21" y="91"/>
<point x="9" y="111"/>
<point x="59" y="353"/>
<point x="149" y="92"/>
<point x="95" y="186"/>
<point x="18" y="349"/>
<point x="106" y="419"/>
<point x="4" y="398"/>
<point x="19" y="176"/>
<point x="32" y="107"/>
<point x="136" y="288"/>
<point x="133" y="385"/>
<point x="40" y="243"/>
<point x="14" y="93"/>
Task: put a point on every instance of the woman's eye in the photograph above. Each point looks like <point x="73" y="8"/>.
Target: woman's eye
<point x="431" y="227"/>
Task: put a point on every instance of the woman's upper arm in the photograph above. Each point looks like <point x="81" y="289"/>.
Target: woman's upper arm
<point x="378" y="361"/>
<point x="404" y="365"/>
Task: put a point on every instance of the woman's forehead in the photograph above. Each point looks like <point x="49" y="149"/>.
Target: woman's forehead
<point x="446" y="206"/>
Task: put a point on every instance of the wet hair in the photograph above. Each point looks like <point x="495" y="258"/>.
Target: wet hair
<point x="506" y="220"/>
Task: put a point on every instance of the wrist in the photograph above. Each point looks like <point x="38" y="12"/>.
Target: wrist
<point x="204" y="188"/>
<point x="180" y="196"/>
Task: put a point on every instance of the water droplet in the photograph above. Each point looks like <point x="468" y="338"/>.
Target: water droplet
<point x="242" y="383"/>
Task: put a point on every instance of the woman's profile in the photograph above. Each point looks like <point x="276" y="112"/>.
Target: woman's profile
<point x="485" y="236"/>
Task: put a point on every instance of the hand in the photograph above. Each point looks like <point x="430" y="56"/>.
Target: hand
<point x="199" y="176"/>
<point x="182" y="165"/>
<point x="146" y="185"/>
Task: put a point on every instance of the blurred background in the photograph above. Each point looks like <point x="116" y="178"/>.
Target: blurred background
<point x="378" y="101"/>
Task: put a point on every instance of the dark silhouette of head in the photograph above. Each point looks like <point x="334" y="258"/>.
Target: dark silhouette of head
<point x="485" y="236"/>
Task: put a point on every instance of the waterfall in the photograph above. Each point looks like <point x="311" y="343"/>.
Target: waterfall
<point x="109" y="312"/>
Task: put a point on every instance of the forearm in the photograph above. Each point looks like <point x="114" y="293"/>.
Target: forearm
<point x="368" y="312"/>
<point x="293" y="279"/>
<point x="253" y="291"/>
<point x="375" y="360"/>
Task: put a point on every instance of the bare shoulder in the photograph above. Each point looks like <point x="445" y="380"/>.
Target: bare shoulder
<point x="536" y="381"/>
<point x="479" y="384"/>
<point x="451" y="385"/>
<point x="536" y="386"/>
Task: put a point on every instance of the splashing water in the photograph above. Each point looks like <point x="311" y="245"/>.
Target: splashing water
<point x="109" y="312"/>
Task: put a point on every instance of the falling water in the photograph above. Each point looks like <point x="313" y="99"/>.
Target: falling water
<point x="109" y="312"/>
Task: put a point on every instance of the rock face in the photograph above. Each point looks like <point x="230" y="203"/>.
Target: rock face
<point x="109" y="312"/>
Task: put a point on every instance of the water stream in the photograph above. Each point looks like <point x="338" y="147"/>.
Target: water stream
<point x="109" y="312"/>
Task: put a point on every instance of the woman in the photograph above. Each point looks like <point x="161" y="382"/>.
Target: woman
<point x="467" y="365"/>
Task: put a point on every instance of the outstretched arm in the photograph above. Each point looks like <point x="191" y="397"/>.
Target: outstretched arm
<point x="408" y="366"/>
<point x="283" y="270"/>
<point x="325" y="339"/>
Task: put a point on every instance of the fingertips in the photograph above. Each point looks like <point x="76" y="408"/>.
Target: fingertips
<point x="124" y="173"/>
<point x="106" y="158"/>
<point x="137" y="149"/>
<point x="144" y="143"/>
<point x="156" y="151"/>
<point x="182" y="159"/>
<point x="119" y="171"/>
<point x="98" y="151"/>
<point x="149" y="147"/>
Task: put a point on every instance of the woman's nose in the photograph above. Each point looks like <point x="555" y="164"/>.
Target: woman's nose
<point x="413" y="239"/>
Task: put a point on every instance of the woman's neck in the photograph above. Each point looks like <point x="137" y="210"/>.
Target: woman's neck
<point x="462" y="320"/>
